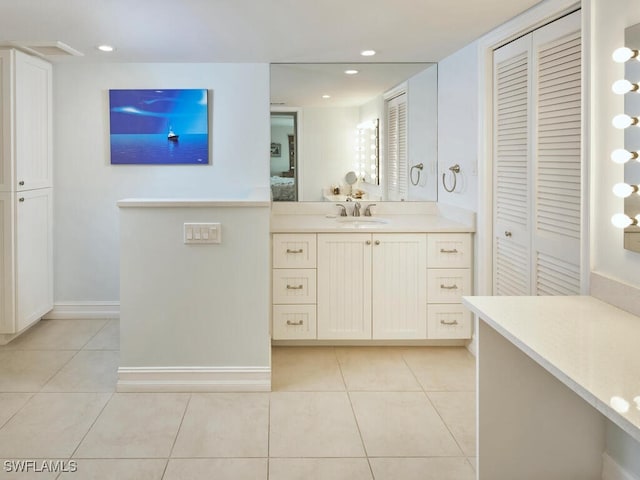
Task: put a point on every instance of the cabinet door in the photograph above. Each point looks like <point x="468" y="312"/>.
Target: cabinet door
<point x="34" y="256"/>
<point x="399" y="286"/>
<point x="32" y="122"/>
<point x="7" y="303"/>
<point x="344" y="286"/>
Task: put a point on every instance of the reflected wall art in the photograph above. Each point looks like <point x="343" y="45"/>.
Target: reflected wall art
<point x="159" y="127"/>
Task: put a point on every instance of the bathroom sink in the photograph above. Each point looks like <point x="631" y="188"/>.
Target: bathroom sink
<point x="361" y="222"/>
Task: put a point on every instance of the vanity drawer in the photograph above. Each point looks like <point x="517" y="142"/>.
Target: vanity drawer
<point x="294" y="322"/>
<point x="294" y="251"/>
<point x="448" y="321"/>
<point x="294" y="285"/>
<point x="449" y="250"/>
<point x="448" y="285"/>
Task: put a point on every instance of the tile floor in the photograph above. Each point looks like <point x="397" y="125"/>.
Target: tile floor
<point x="383" y="413"/>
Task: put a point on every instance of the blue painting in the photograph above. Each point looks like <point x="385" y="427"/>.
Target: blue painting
<point x="159" y="127"/>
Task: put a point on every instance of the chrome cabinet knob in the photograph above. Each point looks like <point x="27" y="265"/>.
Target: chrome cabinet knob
<point x="368" y="242"/>
<point x="377" y="242"/>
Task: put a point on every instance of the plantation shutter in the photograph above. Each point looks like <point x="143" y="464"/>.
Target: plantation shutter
<point x="396" y="167"/>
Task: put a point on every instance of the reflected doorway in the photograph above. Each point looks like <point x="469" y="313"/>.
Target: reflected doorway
<point x="283" y="168"/>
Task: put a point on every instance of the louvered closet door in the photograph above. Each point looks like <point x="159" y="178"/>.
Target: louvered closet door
<point x="557" y="181"/>
<point x="512" y="153"/>
<point x="396" y="165"/>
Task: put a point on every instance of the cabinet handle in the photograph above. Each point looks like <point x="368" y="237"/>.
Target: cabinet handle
<point x="377" y="242"/>
<point x="295" y="324"/>
<point x="21" y="199"/>
<point x="21" y="183"/>
<point x="443" y="250"/>
<point x="448" y="287"/>
<point x="507" y="233"/>
<point x="444" y="322"/>
<point x="295" y="251"/>
<point x="294" y="287"/>
<point x="368" y="242"/>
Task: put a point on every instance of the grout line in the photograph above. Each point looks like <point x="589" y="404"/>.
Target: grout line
<point x="31" y="395"/>
<point x="184" y="414"/>
<point x="92" y="425"/>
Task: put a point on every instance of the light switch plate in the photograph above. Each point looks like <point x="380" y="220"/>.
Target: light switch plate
<point x="202" y="233"/>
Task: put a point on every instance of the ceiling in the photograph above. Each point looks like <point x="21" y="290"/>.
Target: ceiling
<point x="255" y="30"/>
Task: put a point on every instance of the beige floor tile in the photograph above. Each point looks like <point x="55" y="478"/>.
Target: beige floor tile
<point x="57" y="335"/>
<point x="442" y="368"/>
<point x="376" y="369"/>
<point x="458" y="410"/>
<point x="401" y="424"/>
<point x="305" y="369"/>
<point x="217" y="469"/>
<point x="455" y="468"/>
<point x="319" y="469"/>
<point x="88" y="371"/>
<point x="313" y="425"/>
<point x="135" y="426"/>
<point x="139" y="469"/>
<point x="473" y="461"/>
<point x="225" y="425"/>
<point x="32" y="468"/>
<point x="108" y="338"/>
<point x="50" y="425"/>
<point x="10" y="403"/>
<point x="28" y="371"/>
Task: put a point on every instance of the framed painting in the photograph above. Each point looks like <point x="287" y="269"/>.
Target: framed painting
<point x="276" y="149"/>
<point x="159" y="127"/>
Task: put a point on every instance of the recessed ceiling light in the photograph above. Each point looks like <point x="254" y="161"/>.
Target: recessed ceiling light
<point x="325" y="96"/>
<point x="368" y="53"/>
<point x="105" y="48"/>
<point x="351" y="72"/>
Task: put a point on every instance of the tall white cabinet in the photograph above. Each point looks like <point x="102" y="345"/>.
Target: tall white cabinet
<point x="537" y="161"/>
<point x="26" y="243"/>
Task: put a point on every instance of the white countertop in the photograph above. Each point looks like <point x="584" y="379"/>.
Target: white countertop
<point x="393" y="223"/>
<point x="590" y="346"/>
<point x="190" y="202"/>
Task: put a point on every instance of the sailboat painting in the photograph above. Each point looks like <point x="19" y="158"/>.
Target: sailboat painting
<point x="159" y="127"/>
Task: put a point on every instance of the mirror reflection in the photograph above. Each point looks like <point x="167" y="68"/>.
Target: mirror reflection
<point x="373" y="122"/>
<point x="632" y="141"/>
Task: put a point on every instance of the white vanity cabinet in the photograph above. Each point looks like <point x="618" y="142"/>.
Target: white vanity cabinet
<point x="372" y="286"/>
<point x="26" y="253"/>
<point x="449" y="278"/>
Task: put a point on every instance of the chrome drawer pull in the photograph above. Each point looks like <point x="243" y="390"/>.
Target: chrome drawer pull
<point x="442" y="250"/>
<point x="444" y="322"/>
<point x="295" y="324"/>
<point x="294" y="287"/>
<point x="295" y="251"/>
<point x="448" y="287"/>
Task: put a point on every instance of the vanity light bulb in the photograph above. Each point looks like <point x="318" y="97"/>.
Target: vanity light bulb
<point x="623" y="86"/>
<point x="621" y="55"/>
<point x="622" y="156"/>
<point x="372" y="157"/>
<point x="621" y="220"/>
<point x="373" y="176"/>
<point x="623" y="190"/>
<point x="623" y="121"/>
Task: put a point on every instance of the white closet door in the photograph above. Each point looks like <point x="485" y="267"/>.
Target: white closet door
<point x="557" y="160"/>
<point x="512" y="153"/>
<point x="396" y="165"/>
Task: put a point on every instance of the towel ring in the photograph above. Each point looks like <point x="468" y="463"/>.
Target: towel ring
<point x="419" y="167"/>
<point x="454" y="170"/>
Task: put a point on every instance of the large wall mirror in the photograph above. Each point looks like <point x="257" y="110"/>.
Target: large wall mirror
<point x="632" y="141"/>
<point x="361" y="131"/>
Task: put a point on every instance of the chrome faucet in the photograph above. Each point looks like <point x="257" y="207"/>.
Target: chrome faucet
<point x="367" y="211"/>
<point x="343" y="212"/>
<point x="356" y="209"/>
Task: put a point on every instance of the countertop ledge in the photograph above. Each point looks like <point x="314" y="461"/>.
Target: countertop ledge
<point x="190" y="203"/>
<point x="589" y="345"/>
<point x="395" y="223"/>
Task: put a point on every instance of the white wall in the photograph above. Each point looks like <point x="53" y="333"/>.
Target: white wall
<point x="422" y="103"/>
<point x="326" y="148"/>
<point x="458" y="126"/>
<point x="87" y="186"/>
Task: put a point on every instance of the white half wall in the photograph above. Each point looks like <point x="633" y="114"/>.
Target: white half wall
<point x="86" y="230"/>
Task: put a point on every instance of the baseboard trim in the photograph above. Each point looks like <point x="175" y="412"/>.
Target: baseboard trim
<point x="611" y="470"/>
<point x="194" y="379"/>
<point x="83" y="310"/>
